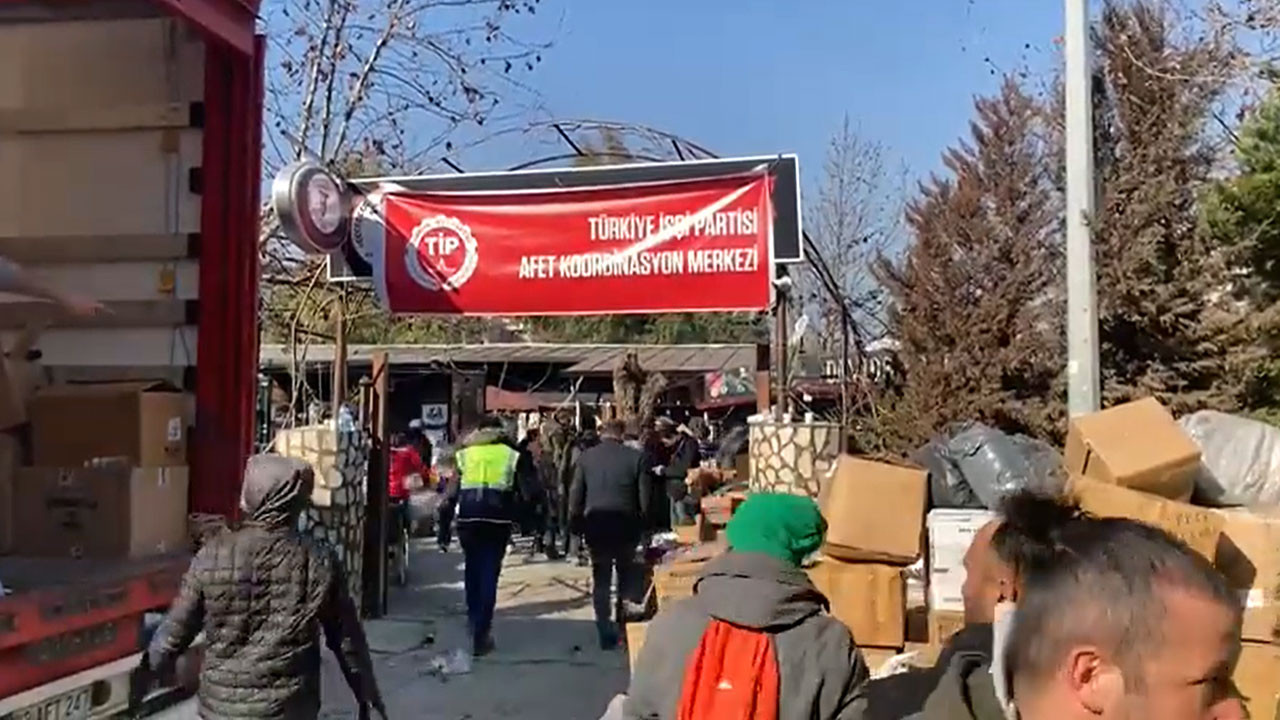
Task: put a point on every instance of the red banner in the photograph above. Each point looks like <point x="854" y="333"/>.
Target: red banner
<point x="698" y="246"/>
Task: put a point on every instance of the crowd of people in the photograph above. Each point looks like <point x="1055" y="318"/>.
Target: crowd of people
<point x="612" y="487"/>
<point x="1066" y="615"/>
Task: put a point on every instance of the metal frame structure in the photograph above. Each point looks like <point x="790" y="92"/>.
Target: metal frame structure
<point x="688" y="154"/>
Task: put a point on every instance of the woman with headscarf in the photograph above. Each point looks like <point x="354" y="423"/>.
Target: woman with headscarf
<point x="754" y="606"/>
<point x="263" y="595"/>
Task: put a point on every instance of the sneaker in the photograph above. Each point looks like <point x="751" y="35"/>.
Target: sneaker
<point x="483" y="646"/>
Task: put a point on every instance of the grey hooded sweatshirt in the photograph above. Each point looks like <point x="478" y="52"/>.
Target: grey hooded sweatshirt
<point x="822" y="676"/>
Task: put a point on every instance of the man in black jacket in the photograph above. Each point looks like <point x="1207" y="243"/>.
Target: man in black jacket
<point x="1023" y="537"/>
<point x="684" y="456"/>
<point x="609" y="500"/>
<point x="262" y="595"/>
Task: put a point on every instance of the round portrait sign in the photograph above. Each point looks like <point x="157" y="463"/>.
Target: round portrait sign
<point x="314" y="207"/>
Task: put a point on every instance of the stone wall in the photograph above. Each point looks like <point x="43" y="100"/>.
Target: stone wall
<point x="792" y="457"/>
<point x="337" y="512"/>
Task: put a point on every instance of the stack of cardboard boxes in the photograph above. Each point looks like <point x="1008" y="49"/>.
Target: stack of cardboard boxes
<point x="1134" y="461"/>
<point x="105" y="475"/>
<point x="1128" y="461"/>
<point x="19" y="378"/>
<point x="875" y="521"/>
<point x="951" y="532"/>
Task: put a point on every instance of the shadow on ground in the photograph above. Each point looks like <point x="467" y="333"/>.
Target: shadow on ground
<point x="548" y="665"/>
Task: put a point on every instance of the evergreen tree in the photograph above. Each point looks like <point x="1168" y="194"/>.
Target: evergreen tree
<point x="974" y="301"/>
<point x="1242" y="214"/>
<point x="1166" y="323"/>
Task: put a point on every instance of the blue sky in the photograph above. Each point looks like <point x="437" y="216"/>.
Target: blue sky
<point x="762" y="76"/>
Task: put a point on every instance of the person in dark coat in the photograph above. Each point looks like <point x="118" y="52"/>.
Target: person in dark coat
<point x="540" y="513"/>
<point x="610" y="502"/>
<point x="584" y="440"/>
<point x="263" y="595"/>
<point x="997" y="558"/>
<point x="656" y="454"/>
<point x="684" y="456"/>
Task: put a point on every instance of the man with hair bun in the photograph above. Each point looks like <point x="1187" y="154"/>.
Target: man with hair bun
<point x="1119" y="622"/>
<point x="1002" y="551"/>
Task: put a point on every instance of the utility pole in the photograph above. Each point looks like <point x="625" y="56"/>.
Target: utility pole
<point x="1082" y="300"/>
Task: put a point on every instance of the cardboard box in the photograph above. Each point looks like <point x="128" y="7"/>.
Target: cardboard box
<point x="144" y="423"/>
<point x="686" y="534"/>
<point x="9" y="462"/>
<point x="113" y="511"/>
<point x="1249" y="557"/>
<point x="943" y="624"/>
<point x="1198" y="527"/>
<point x="719" y="509"/>
<point x="917" y="623"/>
<point x="875" y="511"/>
<point x="708" y="532"/>
<point x="951" y="532"/>
<point x="19" y="378"/>
<point x="674" y="580"/>
<point x="635" y="641"/>
<point x="1136" y="445"/>
<point x="1257" y="677"/>
<point x="869" y="598"/>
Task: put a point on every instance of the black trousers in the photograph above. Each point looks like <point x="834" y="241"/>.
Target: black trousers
<point x="610" y="559"/>
<point x="444" y="523"/>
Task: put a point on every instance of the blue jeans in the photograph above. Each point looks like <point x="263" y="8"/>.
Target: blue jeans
<point x="484" y="545"/>
<point x="682" y="513"/>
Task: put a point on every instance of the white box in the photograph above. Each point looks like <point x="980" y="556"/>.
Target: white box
<point x="951" y="532"/>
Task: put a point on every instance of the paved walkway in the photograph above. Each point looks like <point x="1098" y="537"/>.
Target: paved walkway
<point x="548" y="665"/>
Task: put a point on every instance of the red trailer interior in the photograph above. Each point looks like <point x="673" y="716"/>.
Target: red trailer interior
<point x="130" y="135"/>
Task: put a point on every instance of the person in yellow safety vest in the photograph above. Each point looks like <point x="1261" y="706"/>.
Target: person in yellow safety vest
<point x="492" y="482"/>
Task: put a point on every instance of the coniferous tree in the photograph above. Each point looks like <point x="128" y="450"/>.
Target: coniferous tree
<point x="1167" y="326"/>
<point x="973" y="301"/>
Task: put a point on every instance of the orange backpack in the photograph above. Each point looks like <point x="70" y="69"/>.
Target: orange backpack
<point x="732" y="675"/>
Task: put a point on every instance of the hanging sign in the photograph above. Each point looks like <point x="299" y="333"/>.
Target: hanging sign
<point x="313" y="206"/>
<point x="694" y="246"/>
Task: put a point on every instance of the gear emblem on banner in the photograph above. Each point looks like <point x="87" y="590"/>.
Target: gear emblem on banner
<point x="441" y="254"/>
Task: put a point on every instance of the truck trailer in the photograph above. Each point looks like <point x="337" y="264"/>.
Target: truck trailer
<point x="130" y="153"/>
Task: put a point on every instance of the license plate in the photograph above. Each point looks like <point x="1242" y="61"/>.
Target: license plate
<point x="74" y="705"/>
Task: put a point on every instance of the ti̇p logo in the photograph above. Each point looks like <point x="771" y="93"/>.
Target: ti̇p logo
<point x="441" y="254"/>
